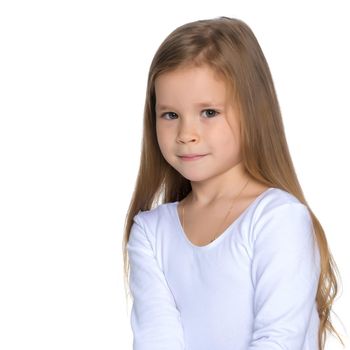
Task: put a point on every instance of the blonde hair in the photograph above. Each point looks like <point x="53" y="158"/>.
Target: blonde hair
<point x="229" y="46"/>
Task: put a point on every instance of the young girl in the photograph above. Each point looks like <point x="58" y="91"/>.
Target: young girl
<point x="224" y="251"/>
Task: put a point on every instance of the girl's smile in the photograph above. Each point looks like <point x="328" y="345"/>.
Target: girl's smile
<point x="192" y="157"/>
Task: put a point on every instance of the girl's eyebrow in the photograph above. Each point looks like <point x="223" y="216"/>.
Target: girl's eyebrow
<point x="161" y="107"/>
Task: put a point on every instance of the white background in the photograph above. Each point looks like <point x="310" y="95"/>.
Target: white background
<point x="72" y="85"/>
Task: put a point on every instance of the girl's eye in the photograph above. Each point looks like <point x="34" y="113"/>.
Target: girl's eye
<point x="169" y="115"/>
<point x="210" y="113"/>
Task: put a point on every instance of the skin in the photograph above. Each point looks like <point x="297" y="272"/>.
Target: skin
<point x="194" y="114"/>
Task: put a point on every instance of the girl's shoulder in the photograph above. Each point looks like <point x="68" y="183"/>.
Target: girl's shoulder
<point x="274" y="197"/>
<point x="153" y="220"/>
<point x="268" y="198"/>
<point x="152" y="216"/>
<point x="277" y="203"/>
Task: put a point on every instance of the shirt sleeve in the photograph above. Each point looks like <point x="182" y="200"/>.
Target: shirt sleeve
<point x="285" y="273"/>
<point x="155" y="319"/>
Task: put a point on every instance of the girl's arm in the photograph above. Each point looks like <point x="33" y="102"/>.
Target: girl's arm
<point x="285" y="274"/>
<point x="155" y="320"/>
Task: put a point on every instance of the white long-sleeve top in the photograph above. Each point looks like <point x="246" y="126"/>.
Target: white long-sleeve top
<point x="252" y="288"/>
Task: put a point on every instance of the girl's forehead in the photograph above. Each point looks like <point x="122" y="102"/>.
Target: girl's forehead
<point x="200" y="82"/>
<point x="190" y="70"/>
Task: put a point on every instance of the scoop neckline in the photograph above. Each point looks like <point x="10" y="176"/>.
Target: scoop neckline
<point x="225" y="232"/>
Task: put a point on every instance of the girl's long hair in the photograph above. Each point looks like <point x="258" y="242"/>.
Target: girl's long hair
<point x="229" y="46"/>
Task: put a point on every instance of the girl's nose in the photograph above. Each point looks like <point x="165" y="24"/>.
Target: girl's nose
<point x="188" y="132"/>
<point x="186" y="139"/>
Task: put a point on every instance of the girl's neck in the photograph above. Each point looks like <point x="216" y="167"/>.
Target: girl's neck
<point x="251" y="190"/>
<point x="220" y="188"/>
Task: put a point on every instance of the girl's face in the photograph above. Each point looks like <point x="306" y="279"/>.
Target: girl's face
<point x="192" y="114"/>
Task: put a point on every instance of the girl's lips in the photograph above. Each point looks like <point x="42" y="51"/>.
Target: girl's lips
<point x="192" y="157"/>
